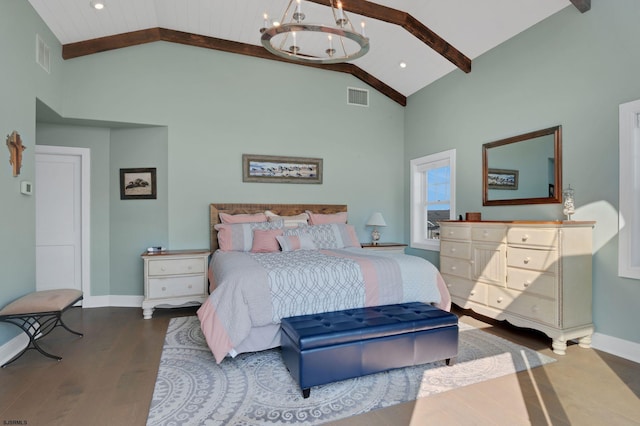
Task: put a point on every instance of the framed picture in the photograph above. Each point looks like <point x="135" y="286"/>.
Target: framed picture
<point x="138" y="184"/>
<point x="502" y="179"/>
<point x="277" y="169"/>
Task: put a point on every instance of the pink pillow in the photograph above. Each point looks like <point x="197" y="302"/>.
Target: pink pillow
<point x="323" y="219"/>
<point x="242" y="218"/>
<point x="265" y="241"/>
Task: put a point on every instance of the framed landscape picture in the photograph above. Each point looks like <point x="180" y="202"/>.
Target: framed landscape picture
<point x="502" y="179"/>
<point x="278" y="169"/>
<point x="138" y="184"/>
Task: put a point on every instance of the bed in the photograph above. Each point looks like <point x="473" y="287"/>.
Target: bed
<point x="299" y="259"/>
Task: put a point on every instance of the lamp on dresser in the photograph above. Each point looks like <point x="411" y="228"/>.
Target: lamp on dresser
<point x="376" y="220"/>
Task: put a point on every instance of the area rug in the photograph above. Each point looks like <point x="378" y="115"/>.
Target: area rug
<point x="256" y="388"/>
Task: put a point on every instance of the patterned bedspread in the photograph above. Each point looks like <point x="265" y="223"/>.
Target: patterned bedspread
<point x="258" y="289"/>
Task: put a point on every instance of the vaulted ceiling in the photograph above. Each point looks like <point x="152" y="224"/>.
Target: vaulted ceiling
<point x="432" y="37"/>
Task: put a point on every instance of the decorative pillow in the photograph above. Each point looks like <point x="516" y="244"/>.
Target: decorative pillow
<point x="328" y="236"/>
<point x="239" y="236"/>
<point x="242" y="218"/>
<point x="265" y="241"/>
<point x="296" y="242"/>
<point x="289" y="221"/>
<point x="322" y="219"/>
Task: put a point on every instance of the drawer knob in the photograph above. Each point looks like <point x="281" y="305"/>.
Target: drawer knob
<point x="472" y="292"/>
<point x="472" y="262"/>
<point x="499" y="299"/>
<point x="189" y="267"/>
<point x="535" y="309"/>
<point x="453" y="268"/>
<point x="485" y="233"/>
<point x="453" y="250"/>
<point x="527" y="283"/>
<point x="163" y="268"/>
<point x="527" y="260"/>
<point x="190" y="286"/>
<point x="164" y="289"/>
<point x="450" y="232"/>
<point x="525" y="237"/>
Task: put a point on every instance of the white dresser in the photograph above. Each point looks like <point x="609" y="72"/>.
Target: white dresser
<point x="532" y="274"/>
<point x="174" y="278"/>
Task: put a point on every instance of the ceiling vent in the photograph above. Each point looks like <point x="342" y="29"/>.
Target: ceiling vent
<point x="358" y="97"/>
<point x="43" y="57"/>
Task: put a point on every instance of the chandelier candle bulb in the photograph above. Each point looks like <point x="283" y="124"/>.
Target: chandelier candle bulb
<point x="362" y="25"/>
<point x="341" y="21"/>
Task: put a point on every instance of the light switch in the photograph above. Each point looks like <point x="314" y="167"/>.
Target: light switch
<point x="26" y="187"/>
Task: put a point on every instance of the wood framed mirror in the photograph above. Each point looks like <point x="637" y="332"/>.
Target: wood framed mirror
<point x="523" y="169"/>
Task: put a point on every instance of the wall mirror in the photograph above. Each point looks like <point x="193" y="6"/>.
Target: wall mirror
<point x="523" y="169"/>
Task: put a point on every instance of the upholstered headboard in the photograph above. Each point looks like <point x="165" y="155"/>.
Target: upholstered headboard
<point x="279" y="209"/>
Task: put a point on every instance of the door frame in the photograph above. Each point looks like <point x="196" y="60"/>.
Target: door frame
<point x="85" y="207"/>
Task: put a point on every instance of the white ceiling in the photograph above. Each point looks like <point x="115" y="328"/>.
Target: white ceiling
<point x="471" y="26"/>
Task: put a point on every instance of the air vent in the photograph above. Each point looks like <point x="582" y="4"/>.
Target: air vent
<point x="42" y="54"/>
<point x="358" y="97"/>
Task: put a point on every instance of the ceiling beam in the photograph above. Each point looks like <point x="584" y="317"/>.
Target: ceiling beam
<point x="103" y="44"/>
<point x="411" y="25"/>
<point x="582" y="5"/>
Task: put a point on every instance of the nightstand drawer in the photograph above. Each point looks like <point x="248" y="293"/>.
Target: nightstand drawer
<point x="456" y="249"/>
<point x="160" y="288"/>
<point x="176" y="266"/>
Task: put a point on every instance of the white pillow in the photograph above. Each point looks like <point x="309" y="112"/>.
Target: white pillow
<point x="296" y="242"/>
<point x="289" y="221"/>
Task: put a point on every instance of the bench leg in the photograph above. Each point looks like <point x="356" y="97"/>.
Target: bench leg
<point x="450" y="361"/>
<point x="306" y="392"/>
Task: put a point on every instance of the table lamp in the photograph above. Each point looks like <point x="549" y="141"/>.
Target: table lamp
<point x="376" y="220"/>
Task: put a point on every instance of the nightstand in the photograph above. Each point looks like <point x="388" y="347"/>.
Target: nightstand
<point x="174" y="278"/>
<point x="390" y="247"/>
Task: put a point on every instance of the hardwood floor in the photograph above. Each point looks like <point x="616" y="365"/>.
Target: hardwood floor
<point x="107" y="378"/>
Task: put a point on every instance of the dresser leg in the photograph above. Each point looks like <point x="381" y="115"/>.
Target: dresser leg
<point x="147" y="313"/>
<point x="585" y="342"/>
<point x="559" y="346"/>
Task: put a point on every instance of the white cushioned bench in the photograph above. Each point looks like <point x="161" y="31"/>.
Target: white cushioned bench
<point x="37" y="314"/>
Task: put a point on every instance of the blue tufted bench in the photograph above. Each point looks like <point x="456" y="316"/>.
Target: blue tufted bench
<point x="333" y="346"/>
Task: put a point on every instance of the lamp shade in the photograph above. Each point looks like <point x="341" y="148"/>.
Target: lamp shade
<point x="376" y="219"/>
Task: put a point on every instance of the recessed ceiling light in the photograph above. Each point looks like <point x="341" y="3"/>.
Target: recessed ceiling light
<point x="403" y="64"/>
<point x="97" y="4"/>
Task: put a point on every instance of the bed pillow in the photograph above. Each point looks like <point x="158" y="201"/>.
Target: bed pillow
<point x="265" y="241"/>
<point x="322" y="219"/>
<point x="289" y="221"/>
<point x="239" y="236"/>
<point x="296" y="242"/>
<point x="328" y="236"/>
<point x="242" y="218"/>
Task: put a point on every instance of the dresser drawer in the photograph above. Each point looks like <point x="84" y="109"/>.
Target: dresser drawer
<point x="455" y="232"/>
<point x="162" y="288"/>
<point x="538" y="260"/>
<point x="458" y="267"/>
<point x="176" y="266"/>
<point x="492" y="234"/>
<point x="465" y="289"/>
<point x="523" y="304"/>
<point x="532" y="237"/>
<point x="456" y="249"/>
<point x="532" y="281"/>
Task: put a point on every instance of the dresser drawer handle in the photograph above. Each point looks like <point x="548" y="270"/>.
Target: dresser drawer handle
<point x="499" y="299"/>
<point x="163" y="268"/>
<point x="453" y="250"/>
<point x="527" y="283"/>
<point x="525" y="237"/>
<point x="190" y="286"/>
<point x="450" y="232"/>
<point x="453" y="268"/>
<point x="472" y="292"/>
<point x="485" y="234"/>
<point x="527" y="260"/>
<point x="535" y="309"/>
<point x="164" y="289"/>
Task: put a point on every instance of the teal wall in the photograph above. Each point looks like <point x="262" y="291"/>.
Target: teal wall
<point x="21" y="81"/>
<point x="572" y="69"/>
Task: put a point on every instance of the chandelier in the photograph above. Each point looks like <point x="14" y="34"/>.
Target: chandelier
<point x="295" y="40"/>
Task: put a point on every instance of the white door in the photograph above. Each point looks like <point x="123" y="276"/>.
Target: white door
<point x="59" y="218"/>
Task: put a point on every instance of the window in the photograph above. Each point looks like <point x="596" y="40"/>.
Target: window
<point x="629" y="211"/>
<point x="433" y="190"/>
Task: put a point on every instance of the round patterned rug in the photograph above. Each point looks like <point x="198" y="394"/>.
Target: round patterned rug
<point x="256" y="388"/>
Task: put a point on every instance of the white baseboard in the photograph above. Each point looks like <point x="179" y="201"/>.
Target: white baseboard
<point x="13" y="347"/>
<point x="113" y="300"/>
<point x="616" y="346"/>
